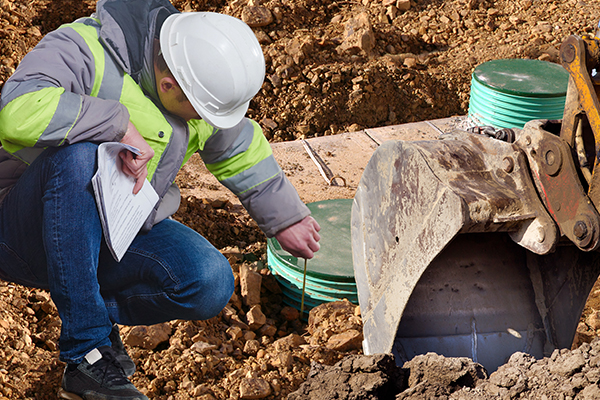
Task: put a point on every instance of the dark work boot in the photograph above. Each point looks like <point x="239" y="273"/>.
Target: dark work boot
<point x="98" y="377"/>
<point x="120" y="351"/>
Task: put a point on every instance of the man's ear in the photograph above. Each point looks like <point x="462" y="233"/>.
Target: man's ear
<point x="167" y="83"/>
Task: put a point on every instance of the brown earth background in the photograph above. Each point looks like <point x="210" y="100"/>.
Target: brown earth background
<point x="332" y="67"/>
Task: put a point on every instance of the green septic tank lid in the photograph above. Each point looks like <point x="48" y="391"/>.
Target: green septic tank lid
<point x="523" y="77"/>
<point x="333" y="261"/>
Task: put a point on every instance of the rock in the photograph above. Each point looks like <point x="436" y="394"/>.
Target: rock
<point x="203" y="392"/>
<point x="444" y="371"/>
<point x="236" y="301"/>
<point x="257" y="16"/>
<point x="232" y="253"/>
<point x="325" y="311"/>
<point x="148" y="337"/>
<point x="345" y="341"/>
<point x="206" y="396"/>
<point x="277" y="13"/>
<point x="219" y="203"/>
<point x="515" y="19"/>
<point x="333" y="318"/>
<point x="228" y="312"/>
<point x="235" y="332"/>
<point x="545" y="57"/>
<point x="254" y="388"/>
<point x="268" y="123"/>
<point x="290" y="313"/>
<point x="358" y="36"/>
<point x="303" y="130"/>
<point x="249" y="335"/>
<point x="506" y="377"/>
<point x="583" y="335"/>
<point x="9" y="62"/>
<point x="567" y="366"/>
<point x="593" y="375"/>
<point x="403" y="5"/>
<point x="236" y="321"/>
<point x="522" y="360"/>
<point x="275" y="80"/>
<point x="268" y="330"/>
<point x="410" y="62"/>
<point x="251" y="347"/>
<point x="236" y="375"/>
<point x="276" y="385"/>
<point x="289" y="342"/>
<point x="283" y="361"/>
<point x="255" y="317"/>
<point x="203" y="347"/>
<point x="354" y="128"/>
<point x="263" y="38"/>
<point x="250" y="282"/>
<point x="593" y="320"/>
<point x="591" y="392"/>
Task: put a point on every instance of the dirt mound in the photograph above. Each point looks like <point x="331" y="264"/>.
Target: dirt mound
<point x="332" y="66"/>
<point x="566" y="374"/>
<point x="355" y="377"/>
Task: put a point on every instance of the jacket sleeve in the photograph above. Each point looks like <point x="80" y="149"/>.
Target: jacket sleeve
<point x="47" y="101"/>
<point x="242" y="160"/>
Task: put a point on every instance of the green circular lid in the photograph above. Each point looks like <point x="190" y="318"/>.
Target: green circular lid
<point x="334" y="258"/>
<point x="523" y="77"/>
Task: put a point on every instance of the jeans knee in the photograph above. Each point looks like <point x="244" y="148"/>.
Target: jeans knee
<point x="211" y="290"/>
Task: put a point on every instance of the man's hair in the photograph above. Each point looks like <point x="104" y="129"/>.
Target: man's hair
<point x="161" y="63"/>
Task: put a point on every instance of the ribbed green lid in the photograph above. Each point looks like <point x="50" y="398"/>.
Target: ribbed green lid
<point x="330" y="274"/>
<point x="334" y="259"/>
<point x="523" y="77"/>
<point x="509" y="93"/>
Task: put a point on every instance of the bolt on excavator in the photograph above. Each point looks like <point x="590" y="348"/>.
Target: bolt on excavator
<point x="484" y="243"/>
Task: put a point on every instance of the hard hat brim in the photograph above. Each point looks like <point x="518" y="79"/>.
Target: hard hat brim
<point x="222" y="122"/>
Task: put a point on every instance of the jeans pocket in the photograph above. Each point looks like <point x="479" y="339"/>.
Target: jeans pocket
<point x="14" y="269"/>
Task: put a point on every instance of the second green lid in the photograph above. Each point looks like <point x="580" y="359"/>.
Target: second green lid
<point x="523" y="77"/>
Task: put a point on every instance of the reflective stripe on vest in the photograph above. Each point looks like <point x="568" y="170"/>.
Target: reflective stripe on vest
<point x="110" y="82"/>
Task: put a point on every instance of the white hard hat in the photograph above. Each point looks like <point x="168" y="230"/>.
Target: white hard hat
<point x="217" y="61"/>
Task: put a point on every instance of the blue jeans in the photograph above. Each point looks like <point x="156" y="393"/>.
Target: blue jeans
<point x="51" y="238"/>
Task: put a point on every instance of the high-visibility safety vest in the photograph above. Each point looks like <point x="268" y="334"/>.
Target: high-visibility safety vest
<point x="240" y="158"/>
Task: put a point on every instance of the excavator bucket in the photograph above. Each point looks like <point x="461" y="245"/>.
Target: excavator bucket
<point x="454" y="253"/>
<point x="478" y="247"/>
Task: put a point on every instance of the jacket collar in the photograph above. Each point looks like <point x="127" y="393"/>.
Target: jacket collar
<point x="128" y="31"/>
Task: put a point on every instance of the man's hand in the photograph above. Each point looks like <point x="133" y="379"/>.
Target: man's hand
<point x="300" y="239"/>
<point x="135" y="165"/>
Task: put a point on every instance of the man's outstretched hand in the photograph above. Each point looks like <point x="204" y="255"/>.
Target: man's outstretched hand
<point x="136" y="166"/>
<point x="300" y="239"/>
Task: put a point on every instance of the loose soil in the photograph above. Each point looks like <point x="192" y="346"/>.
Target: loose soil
<point x="332" y="67"/>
